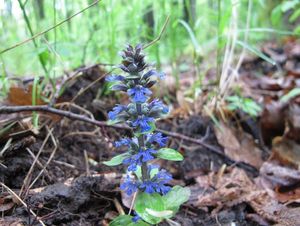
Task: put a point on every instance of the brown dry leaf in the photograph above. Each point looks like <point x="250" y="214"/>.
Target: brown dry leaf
<point x="11" y="221"/>
<point x="286" y="151"/>
<point x="293" y="119"/>
<point x="272" y="120"/>
<point x="6" y="206"/>
<point x="282" y="179"/>
<point x="184" y="105"/>
<point x="239" y="146"/>
<point x="235" y="187"/>
<point x="231" y="189"/>
<point x="269" y="49"/>
<point x="279" y="175"/>
<point x="289" y="217"/>
<point x="22" y="96"/>
<point x="289" y="197"/>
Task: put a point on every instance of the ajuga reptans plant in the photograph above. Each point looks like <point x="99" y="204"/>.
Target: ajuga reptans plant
<point x="155" y="200"/>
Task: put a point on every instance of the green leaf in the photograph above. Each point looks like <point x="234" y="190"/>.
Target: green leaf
<point x="121" y="220"/>
<point x="149" y="201"/>
<point x="138" y="172"/>
<point x="175" y="197"/>
<point x="293" y="93"/>
<point x="139" y="223"/>
<point x="294" y="16"/>
<point x="163" y="214"/>
<point x="287" y="5"/>
<point x="256" y="52"/>
<point x="276" y="14"/>
<point x="126" y="220"/>
<point x="117" y="160"/>
<point x="192" y="36"/>
<point x="169" y="154"/>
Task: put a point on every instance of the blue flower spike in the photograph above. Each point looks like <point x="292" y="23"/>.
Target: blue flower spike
<point x="140" y="114"/>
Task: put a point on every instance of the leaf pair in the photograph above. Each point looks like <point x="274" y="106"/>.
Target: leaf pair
<point x="163" y="153"/>
<point x="154" y="208"/>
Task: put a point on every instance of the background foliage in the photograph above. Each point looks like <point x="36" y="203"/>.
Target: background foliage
<point x="95" y="36"/>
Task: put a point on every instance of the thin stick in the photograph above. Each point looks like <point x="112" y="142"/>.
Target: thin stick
<point x="49" y="29"/>
<point x="87" y="166"/>
<point x="81" y="91"/>
<point x="38" y="163"/>
<point x="44" y="108"/>
<point x="23" y="203"/>
<point x="26" y="180"/>
<point x="49" y="160"/>
<point x="160" y="34"/>
<point x="132" y="202"/>
<point x="119" y="207"/>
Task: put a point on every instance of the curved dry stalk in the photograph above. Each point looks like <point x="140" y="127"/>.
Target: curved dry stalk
<point x="26" y="180"/>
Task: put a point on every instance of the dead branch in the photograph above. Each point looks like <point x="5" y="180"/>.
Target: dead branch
<point x="70" y="115"/>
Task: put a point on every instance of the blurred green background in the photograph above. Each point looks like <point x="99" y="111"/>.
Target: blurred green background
<point x="197" y="30"/>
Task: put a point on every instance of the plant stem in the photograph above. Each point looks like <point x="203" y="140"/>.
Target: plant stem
<point x="41" y="60"/>
<point x="141" y="140"/>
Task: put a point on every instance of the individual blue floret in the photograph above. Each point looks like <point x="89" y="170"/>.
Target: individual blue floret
<point x="114" y="78"/>
<point x="146" y="155"/>
<point x="112" y="115"/>
<point x="139" y="94"/>
<point x="157" y="138"/>
<point x="157" y="105"/>
<point x="129" y="185"/>
<point x="123" y="142"/>
<point x="143" y="122"/>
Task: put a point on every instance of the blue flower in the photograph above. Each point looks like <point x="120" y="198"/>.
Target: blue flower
<point x="143" y="122"/>
<point x="137" y="159"/>
<point x="114" y="78"/>
<point x="129" y="186"/>
<point x="123" y="142"/>
<point x="139" y="94"/>
<point x="136" y="218"/>
<point x="150" y="73"/>
<point x="156" y="183"/>
<point x="148" y="186"/>
<point x="133" y="161"/>
<point x="157" y="106"/>
<point x="161" y="178"/>
<point x="146" y="155"/>
<point x="112" y="115"/>
<point x="157" y="138"/>
<point x="164" y="189"/>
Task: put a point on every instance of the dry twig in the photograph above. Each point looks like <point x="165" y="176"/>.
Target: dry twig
<point x="44" y="108"/>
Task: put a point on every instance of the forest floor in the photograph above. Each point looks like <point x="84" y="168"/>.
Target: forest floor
<point x="242" y="170"/>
